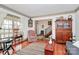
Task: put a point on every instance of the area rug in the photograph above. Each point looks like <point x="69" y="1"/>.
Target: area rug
<point x="35" y="48"/>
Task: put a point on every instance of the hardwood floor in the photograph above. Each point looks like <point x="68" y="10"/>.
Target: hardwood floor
<point x="59" y="49"/>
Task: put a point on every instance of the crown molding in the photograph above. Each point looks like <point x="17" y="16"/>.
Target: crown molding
<point x="7" y="8"/>
<point x="76" y="9"/>
<point x="54" y="14"/>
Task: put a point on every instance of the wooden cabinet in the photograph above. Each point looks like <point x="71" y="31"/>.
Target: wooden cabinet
<point x="59" y="35"/>
<point x="63" y="30"/>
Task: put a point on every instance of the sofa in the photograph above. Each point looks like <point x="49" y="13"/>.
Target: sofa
<point x="71" y="49"/>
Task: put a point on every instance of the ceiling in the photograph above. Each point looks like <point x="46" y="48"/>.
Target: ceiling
<point x="35" y="10"/>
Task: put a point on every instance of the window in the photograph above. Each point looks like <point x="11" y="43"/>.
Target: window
<point x="7" y="28"/>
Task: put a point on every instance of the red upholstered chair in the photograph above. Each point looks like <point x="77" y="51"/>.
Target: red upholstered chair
<point x="31" y="35"/>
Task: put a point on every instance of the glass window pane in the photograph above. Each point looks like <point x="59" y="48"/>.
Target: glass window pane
<point x="2" y="36"/>
<point x="5" y="39"/>
<point x="5" y="26"/>
<point x="18" y="23"/>
<point x="10" y="35"/>
<point x="6" y="35"/>
<point x="10" y="22"/>
<point x="10" y="26"/>
<point x="5" y="22"/>
<point x="15" y="22"/>
<point x="7" y="31"/>
<point x="11" y="39"/>
<point x="11" y="31"/>
<point x="1" y="31"/>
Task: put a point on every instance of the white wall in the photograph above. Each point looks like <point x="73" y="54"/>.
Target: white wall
<point x="2" y="15"/>
<point x="77" y="25"/>
<point x="24" y="27"/>
<point x="54" y="17"/>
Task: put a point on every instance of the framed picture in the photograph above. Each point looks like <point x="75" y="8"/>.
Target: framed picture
<point x="49" y="22"/>
<point x="30" y="23"/>
<point x="42" y="26"/>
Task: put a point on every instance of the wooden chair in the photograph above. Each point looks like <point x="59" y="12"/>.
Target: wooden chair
<point x="7" y="45"/>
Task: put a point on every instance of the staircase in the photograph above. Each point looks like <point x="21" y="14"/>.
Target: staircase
<point x="48" y="31"/>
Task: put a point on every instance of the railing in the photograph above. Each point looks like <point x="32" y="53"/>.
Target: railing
<point x="47" y="30"/>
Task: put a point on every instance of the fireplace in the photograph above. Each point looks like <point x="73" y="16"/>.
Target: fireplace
<point x="42" y="32"/>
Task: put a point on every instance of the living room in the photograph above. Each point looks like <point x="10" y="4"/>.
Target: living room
<point x="24" y="25"/>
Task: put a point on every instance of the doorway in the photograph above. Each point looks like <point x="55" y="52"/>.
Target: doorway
<point x="43" y="27"/>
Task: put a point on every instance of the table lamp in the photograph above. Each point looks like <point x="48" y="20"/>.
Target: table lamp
<point x="50" y="39"/>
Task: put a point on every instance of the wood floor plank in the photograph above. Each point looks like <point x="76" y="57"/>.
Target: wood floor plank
<point x="59" y="49"/>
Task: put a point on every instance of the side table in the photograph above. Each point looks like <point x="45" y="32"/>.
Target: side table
<point x="48" y="49"/>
